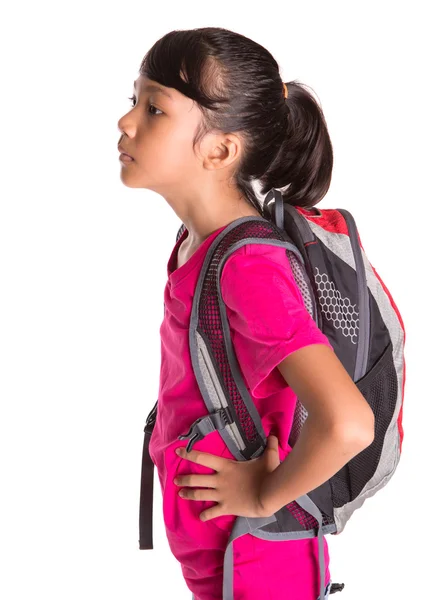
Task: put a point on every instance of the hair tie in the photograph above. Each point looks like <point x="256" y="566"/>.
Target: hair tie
<point x="285" y="90"/>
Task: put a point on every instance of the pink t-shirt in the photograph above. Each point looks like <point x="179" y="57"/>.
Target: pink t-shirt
<point x="268" y="320"/>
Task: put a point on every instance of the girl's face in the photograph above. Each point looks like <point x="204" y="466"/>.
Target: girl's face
<point x="158" y="132"/>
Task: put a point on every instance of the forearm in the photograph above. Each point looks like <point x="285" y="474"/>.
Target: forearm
<point x="318" y="454"/>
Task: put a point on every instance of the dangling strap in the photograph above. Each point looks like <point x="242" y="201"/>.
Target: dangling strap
<point x="241" y="526"/>
<point x="307" y="504"/>
<point x="146" y="496"/>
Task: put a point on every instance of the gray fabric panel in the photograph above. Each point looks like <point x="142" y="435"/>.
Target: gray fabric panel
<point x="210" y="377"/>
<point x="300" y="277"/>
<point x="216" y="397"/>
<point x="339" y="243"/>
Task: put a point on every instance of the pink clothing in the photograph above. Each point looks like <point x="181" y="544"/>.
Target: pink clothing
<point x="268" y="320"/>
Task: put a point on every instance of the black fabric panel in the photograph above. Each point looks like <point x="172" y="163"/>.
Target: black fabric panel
<point x="381" y="336"/>
<point x="322" y="496"/>
<point x="380" y="388"/>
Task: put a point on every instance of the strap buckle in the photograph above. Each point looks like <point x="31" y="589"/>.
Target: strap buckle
<point x="193" y="434"/>
<point x="204" y="425"/>
<point x="151" y="419"/>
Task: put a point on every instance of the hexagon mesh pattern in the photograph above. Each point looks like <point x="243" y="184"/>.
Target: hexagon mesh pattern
<point x="340" y="311"/>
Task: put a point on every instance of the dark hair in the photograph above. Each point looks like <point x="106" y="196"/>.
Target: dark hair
<point x="238" y="87"/>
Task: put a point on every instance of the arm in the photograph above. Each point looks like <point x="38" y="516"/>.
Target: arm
<point x="340" y="424"/>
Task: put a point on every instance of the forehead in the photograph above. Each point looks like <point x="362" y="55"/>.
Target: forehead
<point x="151" y="86"/>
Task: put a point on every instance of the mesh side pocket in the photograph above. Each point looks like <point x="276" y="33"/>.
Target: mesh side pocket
<point x="379" y="387"/>
<point x="305" y="519"/>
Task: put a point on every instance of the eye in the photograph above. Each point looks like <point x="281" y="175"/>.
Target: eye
<point x="155" y="108"/>
<point x="132" y="98"/>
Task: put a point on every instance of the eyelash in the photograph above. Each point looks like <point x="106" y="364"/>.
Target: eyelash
<point x="132" y="98"/>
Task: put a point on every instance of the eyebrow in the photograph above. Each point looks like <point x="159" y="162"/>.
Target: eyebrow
<point x="155" y="88"/>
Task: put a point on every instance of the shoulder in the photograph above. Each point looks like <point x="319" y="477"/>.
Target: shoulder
<point x="254" y="255"/>
<point x="258" y="268"/>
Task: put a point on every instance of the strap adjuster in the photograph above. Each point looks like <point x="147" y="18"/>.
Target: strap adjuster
<point x="205" y="425"/>
<point x="151" y="419"/>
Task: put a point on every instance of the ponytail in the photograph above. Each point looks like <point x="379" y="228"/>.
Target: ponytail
<point x="305" y="159"/>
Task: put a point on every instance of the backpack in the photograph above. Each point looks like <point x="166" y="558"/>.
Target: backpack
<point x="351" y="305"/>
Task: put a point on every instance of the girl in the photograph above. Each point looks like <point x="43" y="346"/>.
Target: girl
<point x="210" y="116"/>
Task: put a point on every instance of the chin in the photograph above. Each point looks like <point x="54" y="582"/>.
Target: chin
<point x="129" y="180"/>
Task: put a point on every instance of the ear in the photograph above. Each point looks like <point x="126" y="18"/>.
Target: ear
<point x="221" y="150"/>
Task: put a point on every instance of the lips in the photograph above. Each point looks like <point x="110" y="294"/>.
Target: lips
<point x="122" y="151"/>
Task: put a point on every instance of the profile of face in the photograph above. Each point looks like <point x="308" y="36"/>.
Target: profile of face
<point x="158" y="133"/>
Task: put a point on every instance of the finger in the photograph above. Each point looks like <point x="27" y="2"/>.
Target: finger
<point x="272" y="442"/>
<point x="203" y="458"/>
<point x="212" y="513"/>
<point x="197" y="494"/>
<point x="196" y="480"/>
<point x="272" y="453"/>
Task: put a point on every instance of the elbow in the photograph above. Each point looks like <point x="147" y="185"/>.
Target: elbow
<point x="365" y="437"/>
<point x="357" y="434"/>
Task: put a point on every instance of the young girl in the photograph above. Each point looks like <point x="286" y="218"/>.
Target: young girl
<point x="210" y="116"/>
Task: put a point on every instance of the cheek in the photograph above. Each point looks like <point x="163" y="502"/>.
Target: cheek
<point x="178" y="153"/>
<point x="176" y="141"/>
<point x="167" y="157"/>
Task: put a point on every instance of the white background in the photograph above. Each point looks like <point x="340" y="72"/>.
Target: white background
<point x="83" y="269"/>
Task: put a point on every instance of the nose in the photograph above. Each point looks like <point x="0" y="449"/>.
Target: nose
<point x="127" y="127"/>
<point x="124" y="123"/>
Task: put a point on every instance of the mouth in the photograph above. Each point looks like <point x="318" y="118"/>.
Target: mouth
<point x="125" y="158"/>
<point x="124" y="154"/>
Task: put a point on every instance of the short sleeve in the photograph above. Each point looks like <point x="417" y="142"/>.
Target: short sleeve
<point x="266" y="313"/>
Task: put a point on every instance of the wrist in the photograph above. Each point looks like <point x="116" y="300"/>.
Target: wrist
<point x="267" y="501"/>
